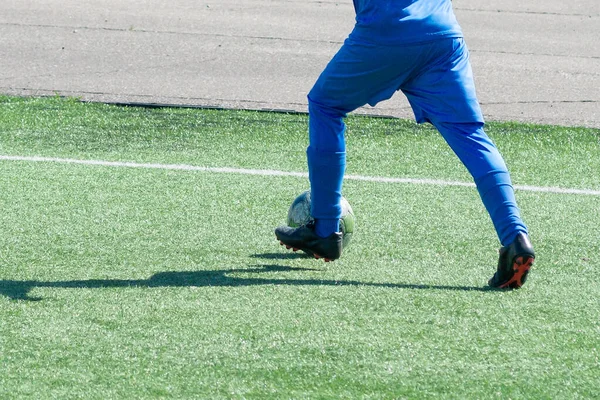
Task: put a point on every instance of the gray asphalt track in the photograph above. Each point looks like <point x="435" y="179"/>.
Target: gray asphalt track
<point x="534" y="61"/>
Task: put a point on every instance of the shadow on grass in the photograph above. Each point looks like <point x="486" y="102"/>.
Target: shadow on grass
<point x="19" y="290"/>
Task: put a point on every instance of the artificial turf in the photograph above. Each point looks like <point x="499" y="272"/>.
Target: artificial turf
<point x="120" y="282"/>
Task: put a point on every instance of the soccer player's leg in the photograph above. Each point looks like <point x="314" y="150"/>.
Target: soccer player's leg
<point x="358" y="74"/>
<point x="445" y="96"/>
<point x="482" y="159"/>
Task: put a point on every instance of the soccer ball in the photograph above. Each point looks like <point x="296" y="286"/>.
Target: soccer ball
<point x="299" y="214"/>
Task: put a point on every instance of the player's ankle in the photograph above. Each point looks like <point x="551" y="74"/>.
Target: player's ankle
<point x="324" y="227"/>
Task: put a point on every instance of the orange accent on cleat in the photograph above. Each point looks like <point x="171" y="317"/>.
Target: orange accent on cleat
<point x="521" y="267"/>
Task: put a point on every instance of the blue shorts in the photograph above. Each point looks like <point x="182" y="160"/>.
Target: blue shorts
<point x="435" y="76"/>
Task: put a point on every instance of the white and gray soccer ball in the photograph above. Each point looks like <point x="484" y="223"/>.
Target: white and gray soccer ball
<point x="299" y="214"/>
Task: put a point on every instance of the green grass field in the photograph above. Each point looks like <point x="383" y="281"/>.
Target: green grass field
<point x="153" y="282"/>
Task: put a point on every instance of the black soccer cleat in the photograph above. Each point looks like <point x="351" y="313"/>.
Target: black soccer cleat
<point x="514" y="263"/>
<point x="304" y="238"/>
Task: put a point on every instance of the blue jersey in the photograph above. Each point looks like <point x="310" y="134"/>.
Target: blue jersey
<point x="404" y="21"/>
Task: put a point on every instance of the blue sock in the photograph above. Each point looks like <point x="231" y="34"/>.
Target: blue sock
<point x="498" y="196"/>
<point x="326" y="173"/>
<point x="324" y="227"/>
<point x="482" y="159"/>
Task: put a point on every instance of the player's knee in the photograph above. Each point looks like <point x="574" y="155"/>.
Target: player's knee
<point x="316" y="97"/>
<point x="318" y="104"/>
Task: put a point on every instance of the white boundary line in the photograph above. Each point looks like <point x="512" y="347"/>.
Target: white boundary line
<point x="269" y="172"/>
